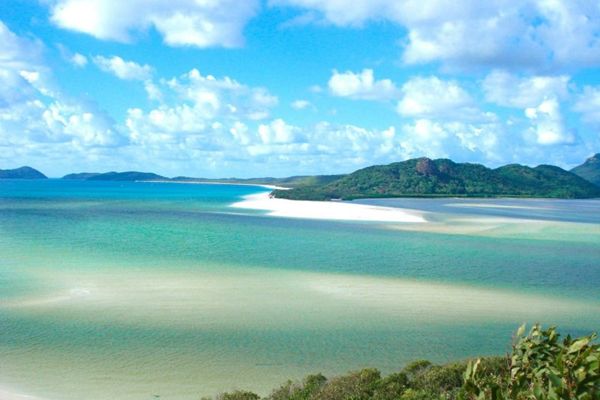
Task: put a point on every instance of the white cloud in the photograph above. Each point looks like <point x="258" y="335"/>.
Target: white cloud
<point x="508" y="90"/>
<point x="199" y="111"/>
<point x="37" y="121"/>
<point x="76" y="59"/>
<point x="240" y="133"/>
<point x="201" y="122"/>
<point x="301" y="104"/>
<point x="432" y="97"/>
<point x="180" y="22"/>
<point x="361" y="86"/>
<point x="588" y="104"/>
<point x="531" y="34"/>
<point x="79" y="60"/>
<point x="463" y="141"/>
<point x="539" y="97"/>
<point x="278" y="131"/>
<point x="548" y="125"/>
<point x="122" y="69"/>
<point x="220" y="97"/>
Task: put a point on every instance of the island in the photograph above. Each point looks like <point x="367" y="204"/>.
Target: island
<point x="116" y="176"/>
<point x="21" y="173"/>
<point x="81" y="176"/>
<point x="418" y="177"/>
<point x="423" y="177"/>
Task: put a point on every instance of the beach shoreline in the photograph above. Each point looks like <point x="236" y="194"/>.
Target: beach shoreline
<point x="327" y="210"/>
<point x="272" y="187"/>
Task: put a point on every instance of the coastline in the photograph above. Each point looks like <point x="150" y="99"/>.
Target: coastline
<point x="327" y="210"/>
<point x="272" y="187"/>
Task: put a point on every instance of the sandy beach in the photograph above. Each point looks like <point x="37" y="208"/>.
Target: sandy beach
<point x="327" y="210"/>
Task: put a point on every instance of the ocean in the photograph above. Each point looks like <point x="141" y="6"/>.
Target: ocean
<point x="132" y="290"/>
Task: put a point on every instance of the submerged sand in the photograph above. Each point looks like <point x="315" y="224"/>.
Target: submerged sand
<point x="258" y="304"/>
<point x="9" y="394"/>
<point x="260" y="325"/>
<point x="261" y="297"/>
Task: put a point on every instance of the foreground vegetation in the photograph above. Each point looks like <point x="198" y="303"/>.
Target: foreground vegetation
<point x="542" y="366"/>
<point x="423" y="177"/>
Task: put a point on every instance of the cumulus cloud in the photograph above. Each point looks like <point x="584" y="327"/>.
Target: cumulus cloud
<point x="198" y="111"/>
<point x="539" y="97"/>
<point x="180" y="22"/>
<point x="432" y="97"/>
<point x="278" y="131"/>
<point x="361" y="86"/>
<point x="531" y="34"/>
<point x="76" y="59"/>
<point x="508" y="90"/>
<point x="463" y="141"/>
<point x="588" y="104"/>
<point x="35" y="116"/>
<point x="548" y="125"/>
<point x="79" y="60"/>
<point x="301" y="104"/>
<point x="200" y="122"/>
<point x="122" y="69"/>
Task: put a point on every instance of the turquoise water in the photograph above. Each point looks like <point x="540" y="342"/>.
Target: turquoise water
<point x="131" y="290"/>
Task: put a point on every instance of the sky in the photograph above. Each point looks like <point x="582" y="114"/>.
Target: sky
<point x="249" y="88"/>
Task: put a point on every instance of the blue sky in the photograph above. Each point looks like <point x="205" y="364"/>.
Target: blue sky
<point x="219" y="88"/>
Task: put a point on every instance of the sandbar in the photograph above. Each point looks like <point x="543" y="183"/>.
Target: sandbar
<point x="327" y="210"/>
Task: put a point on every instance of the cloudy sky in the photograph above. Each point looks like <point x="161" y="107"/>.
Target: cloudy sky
<point x="219" y="88"/>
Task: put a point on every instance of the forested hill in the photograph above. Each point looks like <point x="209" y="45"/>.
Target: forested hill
<point x="589" y="170"/>
<point x="116" y="176"/>
<point x="21" y="173"/>
<point x="424" y="177"/>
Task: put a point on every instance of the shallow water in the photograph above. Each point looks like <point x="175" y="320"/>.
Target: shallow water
<point x="132" y="290"/>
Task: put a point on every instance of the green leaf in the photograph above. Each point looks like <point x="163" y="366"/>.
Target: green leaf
<point x="578" y="345"/>
<point x="521" y="330"/>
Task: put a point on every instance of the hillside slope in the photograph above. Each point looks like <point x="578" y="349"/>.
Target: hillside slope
<point x="589" y="170"/>
<point x="21" y="173"/>
<point x="126" y="176"/>
<point x="423" y="177"/>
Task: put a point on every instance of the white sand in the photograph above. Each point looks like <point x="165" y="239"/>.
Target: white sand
<point x="329" y="210"/>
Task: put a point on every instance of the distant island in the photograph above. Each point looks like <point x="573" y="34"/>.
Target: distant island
<point x="115" y="176"/>
<point x="423" y="177"/>
<point x="419" y="177"/>
<point x="288" y="182"/>
<point x="81" y="176"/>
<point x="21" y="173"/>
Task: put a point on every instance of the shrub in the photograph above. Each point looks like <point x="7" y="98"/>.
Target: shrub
<point x="238" y="395"/>
<point x="542" y="367"/>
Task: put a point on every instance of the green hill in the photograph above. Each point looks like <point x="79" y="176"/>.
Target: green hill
<point x="589" y="170"/>
<point x="423" y="177"/>
<point x="21" y="173"/>
<point x="81" y="176"/>
<point x="127" y="176"/>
